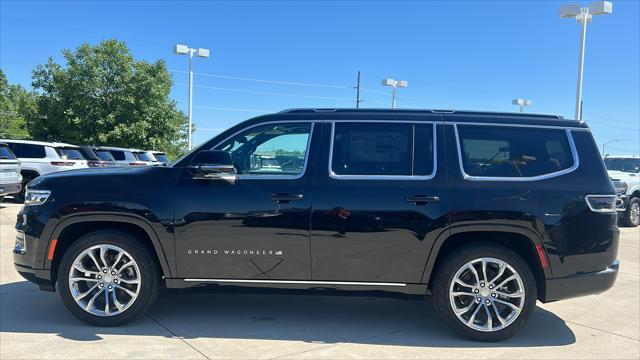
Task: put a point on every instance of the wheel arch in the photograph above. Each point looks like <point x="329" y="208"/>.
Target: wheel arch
<point x="523" y="241"/>
<point x="72" y="228"/>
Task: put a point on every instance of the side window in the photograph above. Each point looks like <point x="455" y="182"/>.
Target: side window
<point x="387" y="149"/>
<point x="29" y="151"/>
<point x="501" y="151"/>
<point x="271" y="149"/>
<point x="118" y="155"/>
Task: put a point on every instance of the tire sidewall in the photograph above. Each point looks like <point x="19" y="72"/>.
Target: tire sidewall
<point x="627" y="221"/>
<point x="444" y="277"/>
<point x="149" y="274"/>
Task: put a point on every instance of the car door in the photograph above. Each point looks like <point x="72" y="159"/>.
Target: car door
<point x="381" y="200"/>
<point x="256" y="227"/>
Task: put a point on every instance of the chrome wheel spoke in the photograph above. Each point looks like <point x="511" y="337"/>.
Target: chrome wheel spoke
<point x="106" y="297"/>
<point x="491" y="307"/>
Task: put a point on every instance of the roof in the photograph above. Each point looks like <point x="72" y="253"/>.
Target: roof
<point x="419" y="111"/>
<point x="113" y="148"/>
<point x="43" y="143"/>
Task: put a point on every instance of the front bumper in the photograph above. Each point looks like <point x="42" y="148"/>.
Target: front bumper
<point x="7" y="189"/>
<point x="621" y="202"/>
<point x="41" y="277"/>
<point x="580" y="285"/>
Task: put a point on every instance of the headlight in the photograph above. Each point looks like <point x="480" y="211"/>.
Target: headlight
<point x="620" y="186"/>
<point x="36" y="197"/>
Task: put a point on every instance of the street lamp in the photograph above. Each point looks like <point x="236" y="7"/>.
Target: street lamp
<point x="607" y="143"/>
<point x="521" y="102"/>
<point x="394" y="84"/>
<point x="199" y="52"/>
<point x="583" y="15"/>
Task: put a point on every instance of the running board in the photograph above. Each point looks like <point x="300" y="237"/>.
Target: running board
<point x="301" y="284"/>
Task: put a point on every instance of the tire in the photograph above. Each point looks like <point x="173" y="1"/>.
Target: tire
<point x="125" y="307"/>
<point x="455" y="265"/>
<point x="631" y="216"/>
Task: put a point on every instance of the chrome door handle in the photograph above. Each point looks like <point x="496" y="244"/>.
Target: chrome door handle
<point x="421" y="199"/>
<point x="285" y="198"/>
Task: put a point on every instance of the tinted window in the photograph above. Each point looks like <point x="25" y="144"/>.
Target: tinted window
<point x="122" y="155"/>
<point x="501" y="151"/>
<point x="143" y="156"/>
<point x="104" y="155"/>
<point x="273" y="149"/>
<point x="69" y="153"/>
<point x="627" y="165"/>
<point x="30" y="151"/>
<point x="5" y="153"/>
<point x="382" y="149"/>
<point x="88" y="153"/>
<point x="161" y="157"/>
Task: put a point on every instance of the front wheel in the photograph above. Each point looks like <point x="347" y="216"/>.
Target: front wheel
<point x="484" y="292"/>
<point x="631" y="216"/>
<point x="107" y="278"/>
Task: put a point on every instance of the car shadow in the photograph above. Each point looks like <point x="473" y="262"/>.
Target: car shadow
<point x="266" y="314"/>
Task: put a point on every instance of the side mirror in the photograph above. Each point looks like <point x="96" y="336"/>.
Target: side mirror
<point x="213" y="164"/>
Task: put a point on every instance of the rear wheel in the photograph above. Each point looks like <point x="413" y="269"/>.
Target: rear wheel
<point x="631" y="216"/>
<point x="484" y="292"/>
<point x="107" y="278"/>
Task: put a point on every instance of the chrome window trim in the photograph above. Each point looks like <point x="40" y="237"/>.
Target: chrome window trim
<point x="273" y="176"/>
<point x="311" y="282"/>
<point x="568" y="127"/>
<point x="572" y="146"/>
<point x="333" y="175"/>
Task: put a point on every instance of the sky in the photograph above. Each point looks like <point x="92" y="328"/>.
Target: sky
<point x="269" y="56"/>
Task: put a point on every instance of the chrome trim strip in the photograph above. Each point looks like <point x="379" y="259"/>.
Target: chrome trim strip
<point x="310" y="282"/>
<point x="572" y="145"/>
<point x="272" y="176"/>
<point x="333" y="175"/>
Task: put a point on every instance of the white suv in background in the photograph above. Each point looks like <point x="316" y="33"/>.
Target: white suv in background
<point x="10" y="178"/>
<point x="39" y="158"/>
<point x="624" y="172"/>
<point x="123" y="156"/>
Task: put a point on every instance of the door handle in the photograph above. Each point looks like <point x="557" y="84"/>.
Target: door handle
<point x="285" y="198"/>
<point x="421" y="199"/>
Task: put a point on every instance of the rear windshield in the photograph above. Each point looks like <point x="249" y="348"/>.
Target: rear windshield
<point x="630" y="165"/>
<point x="70" y="153"/>
<point x="122" y="155"/>
<point x="5" y="153"/>
<point x="88" y="153"/>
<point x="161" y="157"/>
<point x="104" y="155"/>
<point x="143" y="156"/>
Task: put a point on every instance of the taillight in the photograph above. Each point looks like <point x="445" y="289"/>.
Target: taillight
<point x="62" y="163"/>
<point x="601" y="203"/>
<point x="137" y="164"/>
<point x="94" y="163"/>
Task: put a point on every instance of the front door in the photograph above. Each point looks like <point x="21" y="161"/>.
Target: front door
<point x="258" y="226"/>
<point x="381" y="200"/>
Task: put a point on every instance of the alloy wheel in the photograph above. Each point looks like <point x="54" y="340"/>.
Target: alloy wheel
<point x="634" y="213"/>
<point x="104" y="280"/>
<point x="487" y="294"/>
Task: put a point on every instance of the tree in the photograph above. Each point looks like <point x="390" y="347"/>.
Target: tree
<point x="103" y="96"/>
<point x="15" y="105"/>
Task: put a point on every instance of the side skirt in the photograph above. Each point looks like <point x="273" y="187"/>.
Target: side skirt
<point x="413" y="289"/>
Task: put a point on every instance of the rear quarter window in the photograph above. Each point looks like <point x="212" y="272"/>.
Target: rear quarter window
<point x="513" y="152"/>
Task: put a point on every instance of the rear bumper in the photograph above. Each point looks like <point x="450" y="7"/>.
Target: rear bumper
<point x="7" y="189"/>
<point x="583" y="284"/>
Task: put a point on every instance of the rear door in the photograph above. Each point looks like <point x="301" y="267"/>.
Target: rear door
<point x="381" y="200"/>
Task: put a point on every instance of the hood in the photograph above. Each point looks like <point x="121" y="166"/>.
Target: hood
<point x="621" y="175"/>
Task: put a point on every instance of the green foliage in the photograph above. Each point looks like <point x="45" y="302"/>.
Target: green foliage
<point x="15" y="105"/>
<point x="103" y="96"/>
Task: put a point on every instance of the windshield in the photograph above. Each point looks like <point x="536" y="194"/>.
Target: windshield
<point x="143" y="156"/>
<point x="5" y="153"/>
<point x="70" y="153"/>
<point x="104" y="155"/>
<point x="161" y="157"/>
<point x="630" y="165"/>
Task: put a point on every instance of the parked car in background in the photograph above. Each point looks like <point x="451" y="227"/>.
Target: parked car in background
<point x="625" y="174"/>
<point x="145" y="156"/>
<point x="485" y="212"/>
<point x="39" y="158"/>
<point x="160" y="157"/>
<point x="123" y="156"/>
<point x="96" y="157"/>
<point x="10" y="178"/>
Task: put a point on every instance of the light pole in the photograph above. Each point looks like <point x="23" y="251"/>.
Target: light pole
<point x="199" y="52"/>
<point x="607" y="143"/>
<point x="522" y="103"/>
<point x="394" y="84"/>
<point x="583" y="15"/>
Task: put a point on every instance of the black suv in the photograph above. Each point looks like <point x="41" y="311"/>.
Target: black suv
<point x="485" y="212"/>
